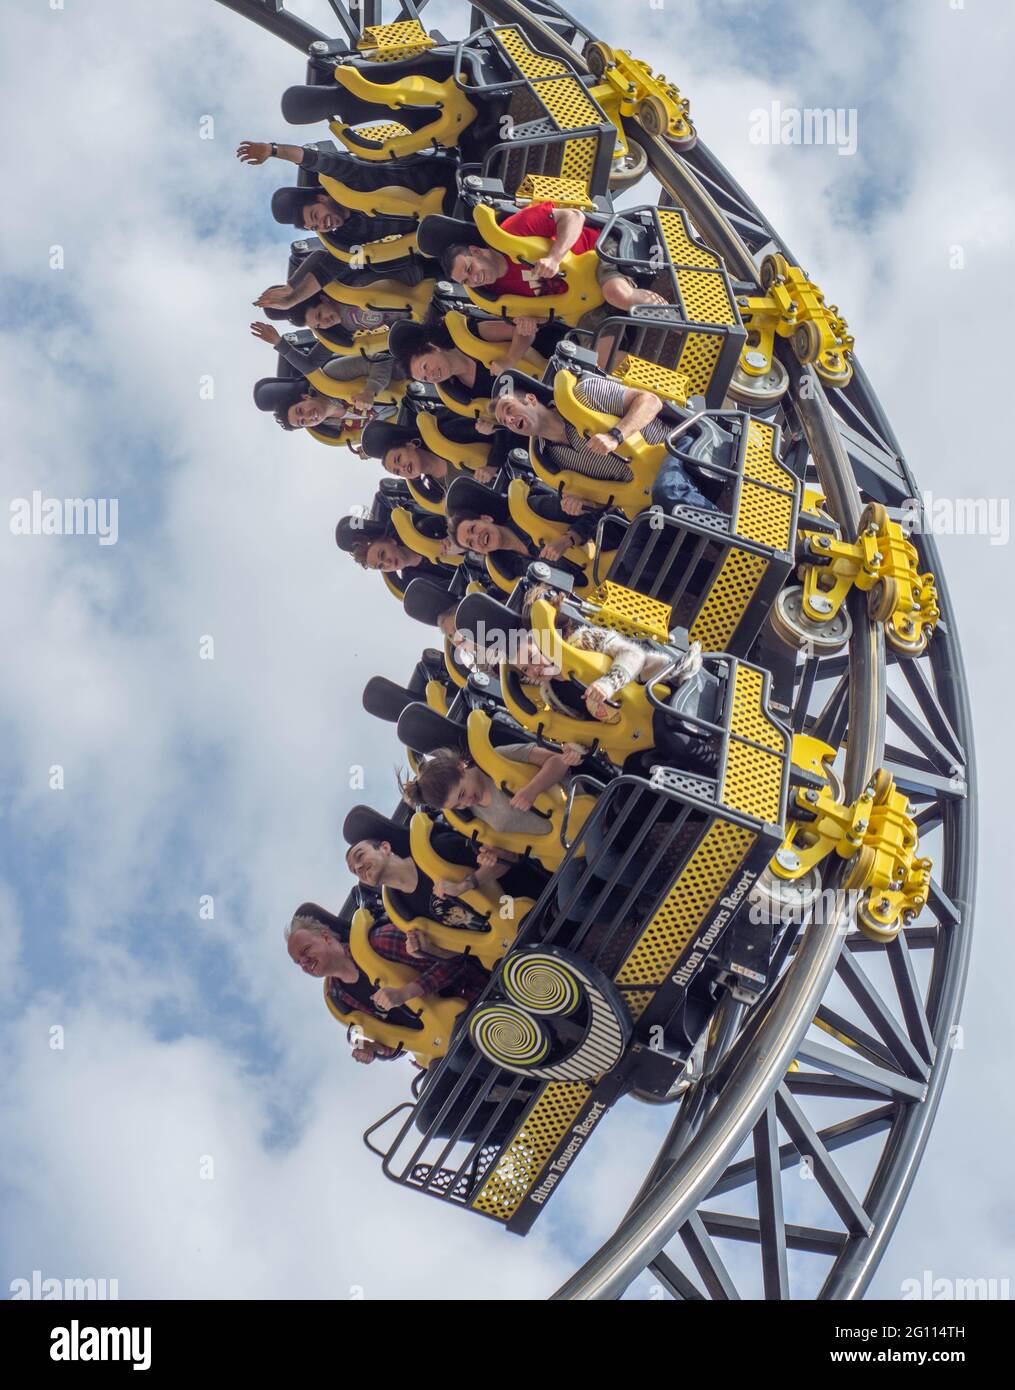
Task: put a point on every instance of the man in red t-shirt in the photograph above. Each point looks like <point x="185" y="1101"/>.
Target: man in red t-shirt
<point x="480" y="267"/>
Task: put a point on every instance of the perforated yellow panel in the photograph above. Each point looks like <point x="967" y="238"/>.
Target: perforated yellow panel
<point x="759" y="462"/>
<point x="529" y="1151"/>
<point x="753" y="778"/>
<point x="526" y="60"/>
<point x="687" y="904"/>
<point x="384" y="130"/>
<point x="682" y="250"/>
<point x="765" y="516"/>
<point x="705" y="297"/>
<point x="569" y="103"/>
<point x="634" y="614"/>
<point x="698" y="359"/>
<point x="642" y="375"/>
<point x="747" y="715"/>
<point x="395" y="40"/>
<point x="565" y="193"/>
<point x="731" y="592"/>
<point x="753" y="782"/>
<point x="579" y="159"/>
<point x="637" y="1000"/>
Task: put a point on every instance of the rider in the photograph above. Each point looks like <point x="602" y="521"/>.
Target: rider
<point x="318" y="942"/>
<point x="481" y="267"/>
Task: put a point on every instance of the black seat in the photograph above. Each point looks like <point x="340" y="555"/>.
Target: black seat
<point x="364" y="823"/>
<point x="308" y="105"/>
<point x="440" y="1085"/>
<point x="423" y="729"/>
<point x="489" y="624"/>
<point x="273" y="393"/>
<point x="385" y="699"/>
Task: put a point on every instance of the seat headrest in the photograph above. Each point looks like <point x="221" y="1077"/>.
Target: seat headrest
<point x="364" y="823"/>
<point x="287" y="204"/>
<point x="423" y="730"/>
<point x="353" y="529"/>
<point x="339" y="924"/>
<point x="272" y="393"/>
<point x="517" y="383"/>
<point x="385" y="699"/>
<point x="468" y="495"/>
<point x="436" y="232"/>
<point x="308" y="105"/>
<point x="406" y="337"/>
<point x="380" y="436"/>
<point x="489" y="624"/>
<point x="426" y="601"/>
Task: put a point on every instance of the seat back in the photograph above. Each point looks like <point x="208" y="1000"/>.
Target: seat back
<point x="465" y="454"/>
<point x="428" y="546"/>
<point x="423" y="729"/>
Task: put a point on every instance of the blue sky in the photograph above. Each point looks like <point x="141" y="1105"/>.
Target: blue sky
<point x="186" y="1038"/>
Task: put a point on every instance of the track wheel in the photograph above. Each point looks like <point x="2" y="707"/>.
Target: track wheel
<point x="860" y="869"/>
<point x="598" y="56"/>
<point x="775" y="899"/>
<point x="837" y="377"/>
<point x="759" y="390"/>
<point x="807" y="342"/>
<point x="653" y="116"/>
<point x="874" y="514"/>
<point x="906" y="646"/>
<point x="630" y="167"/>
<point x="870" y="926"/>
<point x="792" y="625"/>
<point x="774" y="267"/>
<point x="881" y="600"/>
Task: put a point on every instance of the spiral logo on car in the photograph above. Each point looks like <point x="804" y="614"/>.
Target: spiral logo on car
<point x="542" y="985"/>
<point x="506" y="1034"/>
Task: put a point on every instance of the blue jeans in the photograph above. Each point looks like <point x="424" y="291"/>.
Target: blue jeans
<point x="672" y="487"/>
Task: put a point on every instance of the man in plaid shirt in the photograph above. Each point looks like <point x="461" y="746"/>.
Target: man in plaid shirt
<point x="318" y="943"/>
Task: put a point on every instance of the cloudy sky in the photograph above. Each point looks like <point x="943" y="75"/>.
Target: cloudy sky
<point x="197" y="1132"/>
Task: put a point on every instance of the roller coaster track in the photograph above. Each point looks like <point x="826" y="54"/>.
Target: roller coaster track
<point x="747" y="1086"/>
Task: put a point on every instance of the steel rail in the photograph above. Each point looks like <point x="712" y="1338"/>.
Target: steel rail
<point x="893" y="1178"/>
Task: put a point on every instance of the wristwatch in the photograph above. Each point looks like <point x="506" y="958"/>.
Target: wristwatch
<point x="274" y="150"/>
<point x="615" y="432"/>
